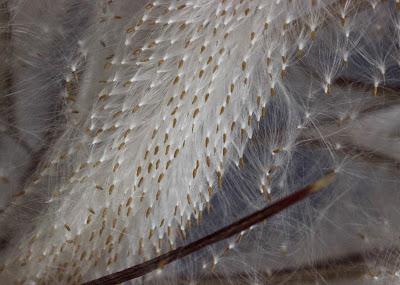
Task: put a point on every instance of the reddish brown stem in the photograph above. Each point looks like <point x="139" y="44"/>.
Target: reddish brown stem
<point x="224" y="233"/>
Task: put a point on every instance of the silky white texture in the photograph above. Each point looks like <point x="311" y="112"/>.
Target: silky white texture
<point x="160" y="101"/>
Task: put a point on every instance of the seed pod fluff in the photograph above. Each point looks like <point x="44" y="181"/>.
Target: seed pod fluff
<point x="130" y="128"/>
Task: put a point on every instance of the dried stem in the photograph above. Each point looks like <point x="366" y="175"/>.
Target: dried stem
<point x="224" y="233"/>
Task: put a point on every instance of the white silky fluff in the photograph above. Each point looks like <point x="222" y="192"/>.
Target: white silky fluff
<point x="161" y="101"/>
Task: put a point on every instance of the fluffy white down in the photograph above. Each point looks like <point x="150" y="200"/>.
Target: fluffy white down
<point x="131" y="118"/>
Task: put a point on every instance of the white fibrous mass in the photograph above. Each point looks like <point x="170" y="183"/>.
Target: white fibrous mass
<point x="131" y="127"/>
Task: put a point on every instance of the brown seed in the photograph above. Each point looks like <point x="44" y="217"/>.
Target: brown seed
<point x="111" y="189"/>
<point x="128" y="202"/>
<point x="180" y="64"/>
<point x="195" y="113"/>
<point x="148" y="211"/>
<point x="244" y="64"/>
<point x="208" y="161"/>
<point x="140" y="181"/>
<point x="129" y="211"/>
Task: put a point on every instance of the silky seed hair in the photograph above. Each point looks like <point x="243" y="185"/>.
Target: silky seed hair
<point x="139" y="127"/>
